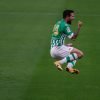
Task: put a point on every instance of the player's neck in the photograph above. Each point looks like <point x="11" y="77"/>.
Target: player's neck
<point x="67" y="21"/>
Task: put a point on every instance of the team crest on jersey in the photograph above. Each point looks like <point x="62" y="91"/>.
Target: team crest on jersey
<point x="68" y="29"/>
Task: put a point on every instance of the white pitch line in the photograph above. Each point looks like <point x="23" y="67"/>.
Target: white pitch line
<point x="44" y="14"/>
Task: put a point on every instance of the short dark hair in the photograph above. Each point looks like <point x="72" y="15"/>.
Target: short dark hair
<point x="67" y="13"/>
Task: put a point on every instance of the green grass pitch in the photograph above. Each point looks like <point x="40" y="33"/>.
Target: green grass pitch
<point x="26" y="68"/>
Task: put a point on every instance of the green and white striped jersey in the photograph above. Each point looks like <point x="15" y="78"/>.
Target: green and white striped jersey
<point x="61" y="30"/>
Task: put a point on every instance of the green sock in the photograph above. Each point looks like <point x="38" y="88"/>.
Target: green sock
<point x="71" y="64"/>
<point x="71" y="57"/>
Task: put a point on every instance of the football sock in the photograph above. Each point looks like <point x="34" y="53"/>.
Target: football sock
<point x="69" y="58"/>
<point x="71" y="64"/>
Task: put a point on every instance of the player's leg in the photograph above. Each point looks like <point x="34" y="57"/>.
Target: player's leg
<point x="62" y="52"/>
<point x="78" y="52"/>
<point x="70" y="65"/>
<point x="70" y="68"/>
<point x="55" y="54"/>
<point x="75" y="54"/>
<point x="75" y="50"/>
<point x="58" y="65"/>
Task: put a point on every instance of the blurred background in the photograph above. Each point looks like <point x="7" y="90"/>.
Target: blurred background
<point x="26" y="68"/>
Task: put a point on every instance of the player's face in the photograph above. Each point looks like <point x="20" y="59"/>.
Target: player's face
<point x="72" y="16"/>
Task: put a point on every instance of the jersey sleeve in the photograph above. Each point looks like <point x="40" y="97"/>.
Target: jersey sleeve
<point x="68" y="32"/>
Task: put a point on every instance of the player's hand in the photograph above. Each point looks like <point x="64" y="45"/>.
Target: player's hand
<point x="80" y="24"/>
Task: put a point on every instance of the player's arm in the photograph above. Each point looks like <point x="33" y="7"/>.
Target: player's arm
<point x="70" y="34"/>
<point x="78" y="30"/>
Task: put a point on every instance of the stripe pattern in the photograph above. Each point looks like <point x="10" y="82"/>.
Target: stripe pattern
<point x="58" y="41"/>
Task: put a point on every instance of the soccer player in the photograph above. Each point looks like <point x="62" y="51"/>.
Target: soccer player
<point x="61" y="52"/>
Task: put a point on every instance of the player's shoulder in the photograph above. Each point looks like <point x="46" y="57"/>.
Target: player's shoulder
<point x="64" y="23"/>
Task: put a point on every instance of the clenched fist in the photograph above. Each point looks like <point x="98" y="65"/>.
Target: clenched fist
<point x="80" y="24"/>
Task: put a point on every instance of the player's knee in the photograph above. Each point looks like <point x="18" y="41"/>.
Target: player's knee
<point x="81" y="54"/>
<point x="78" y="52"/>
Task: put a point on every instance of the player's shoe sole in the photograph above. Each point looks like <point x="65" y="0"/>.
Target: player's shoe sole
<point x="58" y="65"/>
<point x="72" y="71"/>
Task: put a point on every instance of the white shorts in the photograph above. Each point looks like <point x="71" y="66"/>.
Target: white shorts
<point x="60" y="52"/>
